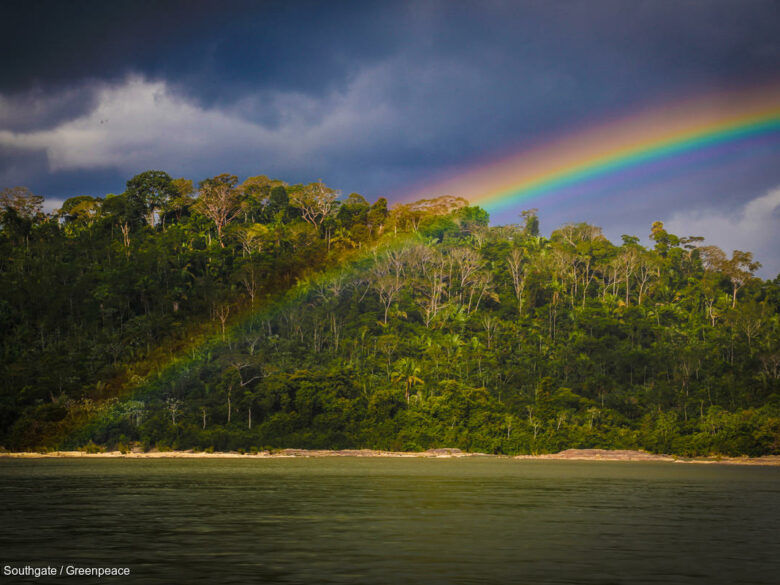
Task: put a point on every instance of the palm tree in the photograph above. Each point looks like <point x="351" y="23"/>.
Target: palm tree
<point x="406" y="371"/>
<point x="452" y="343"/>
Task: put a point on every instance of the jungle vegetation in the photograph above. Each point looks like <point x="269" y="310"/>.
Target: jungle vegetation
<point x="262" y="315"/>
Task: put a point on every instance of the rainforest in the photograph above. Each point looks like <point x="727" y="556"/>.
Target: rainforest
<point x="254" y="315"/>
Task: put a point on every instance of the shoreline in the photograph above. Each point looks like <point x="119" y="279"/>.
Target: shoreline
<point x="567" y="455"/>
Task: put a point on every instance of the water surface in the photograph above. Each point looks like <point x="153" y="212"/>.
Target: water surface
<point x="392" y="520"/>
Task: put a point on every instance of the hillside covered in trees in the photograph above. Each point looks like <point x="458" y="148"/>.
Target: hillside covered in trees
<point x="265" y="315"/>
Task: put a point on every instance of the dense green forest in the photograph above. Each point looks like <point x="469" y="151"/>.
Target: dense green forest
<point x="255" y="315"/>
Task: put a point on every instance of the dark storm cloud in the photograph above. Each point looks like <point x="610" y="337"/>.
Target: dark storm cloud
<point x="15" y="164"/>
<point x="215" y="48"/>
<point x="49" y="43"/>
<point x="35" y="109"/>
<point x="221" y="50"/>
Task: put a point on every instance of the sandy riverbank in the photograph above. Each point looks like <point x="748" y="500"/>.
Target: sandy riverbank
<point x="623" y="455"/>
<point x="569" y="454"/>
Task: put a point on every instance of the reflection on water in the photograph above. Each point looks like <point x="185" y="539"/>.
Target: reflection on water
<point x="392" y="520"/>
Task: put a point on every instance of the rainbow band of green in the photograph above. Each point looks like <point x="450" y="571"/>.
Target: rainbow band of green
<point x="502" y="200"/>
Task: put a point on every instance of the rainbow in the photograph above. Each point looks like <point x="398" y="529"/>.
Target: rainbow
<point x="679" y="133"/>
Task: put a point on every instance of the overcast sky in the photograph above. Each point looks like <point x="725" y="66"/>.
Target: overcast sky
<point x="379" y="97"/>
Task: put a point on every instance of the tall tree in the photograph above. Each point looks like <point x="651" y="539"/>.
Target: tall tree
<point x="22" y="201"/>
<point x="316" y="202"/>
<point x="148" y="193"/>
<point x="739" y="269"/>
<point x="219" y="200"/>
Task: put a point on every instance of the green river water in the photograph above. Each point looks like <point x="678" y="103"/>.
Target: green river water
<point x="428" y="521"/>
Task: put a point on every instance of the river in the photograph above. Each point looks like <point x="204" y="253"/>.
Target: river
<point x="384" y="520"/>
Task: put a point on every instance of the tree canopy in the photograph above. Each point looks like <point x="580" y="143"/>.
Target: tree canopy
<point x="261" y="314"/>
